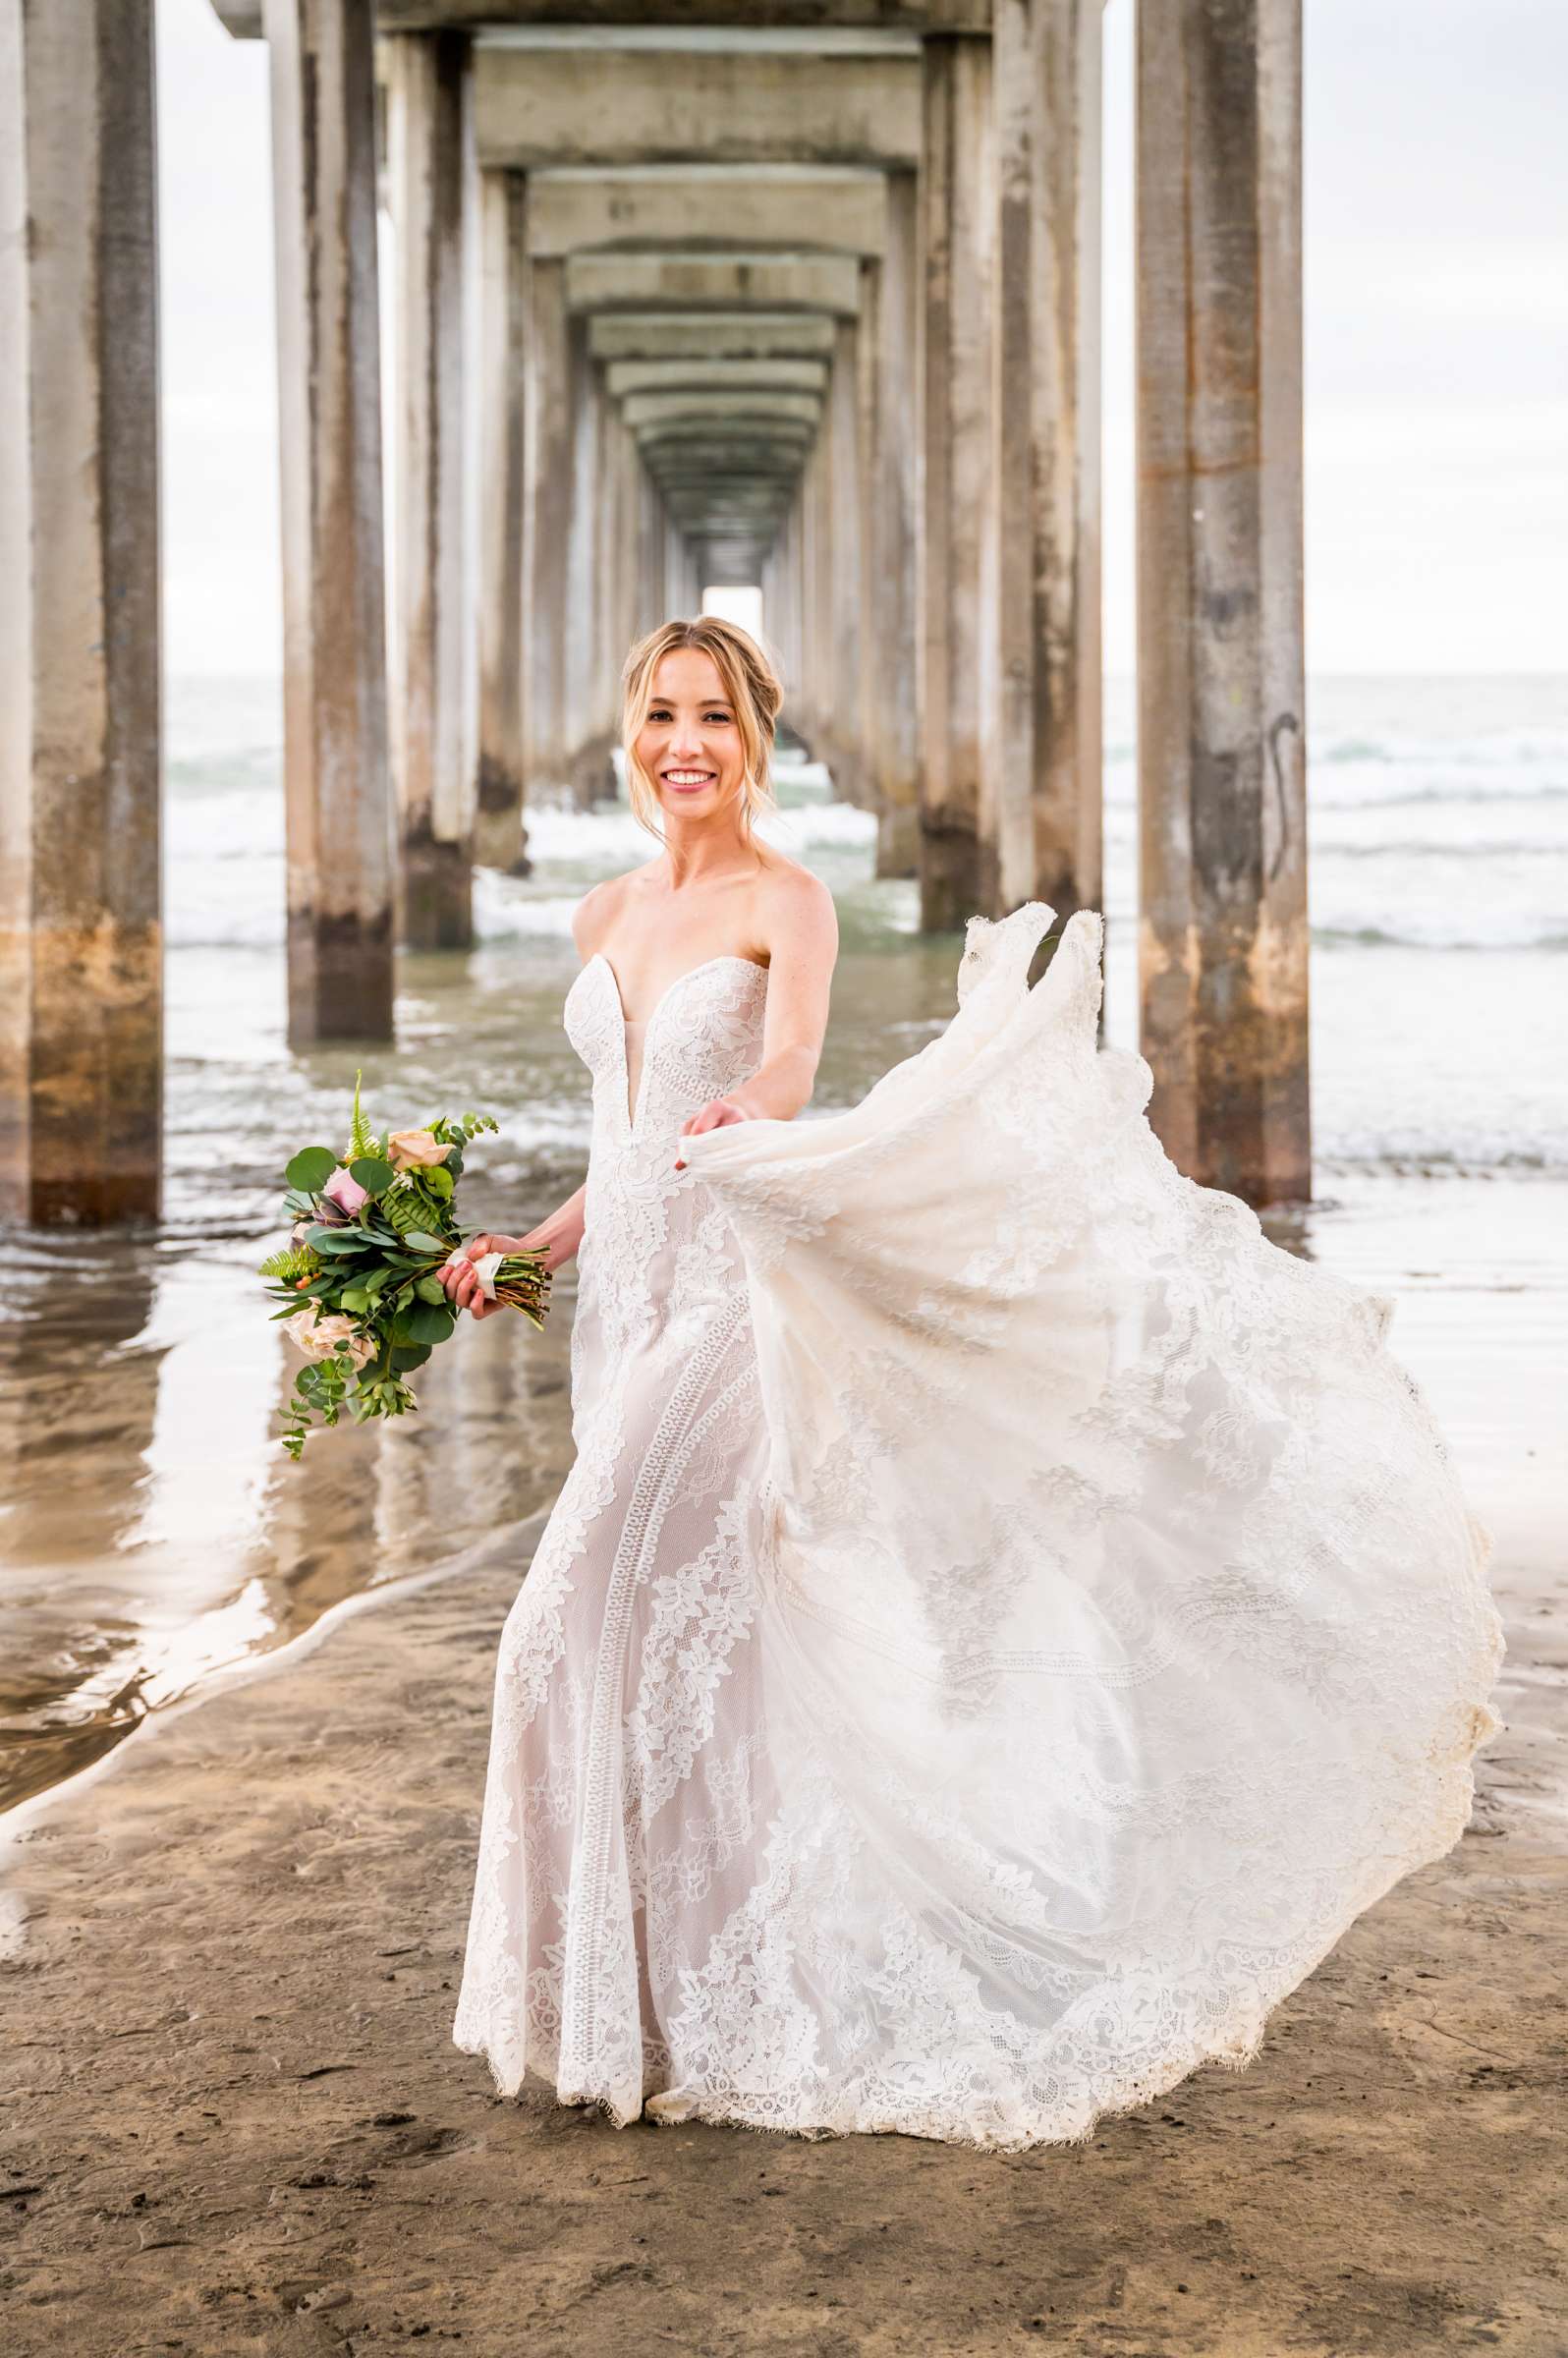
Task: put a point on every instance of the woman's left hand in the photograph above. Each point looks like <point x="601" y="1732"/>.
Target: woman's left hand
<point x="717" y="1115"/>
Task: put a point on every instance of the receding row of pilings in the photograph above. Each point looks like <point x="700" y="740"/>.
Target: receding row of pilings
<point x="815" y="308"/>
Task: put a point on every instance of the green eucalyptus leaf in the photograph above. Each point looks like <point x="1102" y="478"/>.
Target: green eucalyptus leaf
<point x="311" y="1168"/>
<point x="427" y="1324"/>
<point x="428" y="1290"/>
<point x="373" y="1175"/>
<point x="426" y="1241"/>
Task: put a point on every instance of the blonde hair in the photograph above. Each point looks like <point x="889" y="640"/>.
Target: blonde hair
<point x="751" y="684"/>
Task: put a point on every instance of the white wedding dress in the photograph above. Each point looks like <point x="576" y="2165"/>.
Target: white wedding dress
<point x="1005" y="1619"/>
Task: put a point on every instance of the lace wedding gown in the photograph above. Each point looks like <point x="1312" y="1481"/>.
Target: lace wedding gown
<point x="1005" y="1619"/>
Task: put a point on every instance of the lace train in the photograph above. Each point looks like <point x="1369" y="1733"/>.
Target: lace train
<point x="1076" y="1625"/>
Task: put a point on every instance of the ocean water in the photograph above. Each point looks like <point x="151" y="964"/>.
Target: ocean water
<point x="1439" y="900"/>
<point x="154" y="1539"/>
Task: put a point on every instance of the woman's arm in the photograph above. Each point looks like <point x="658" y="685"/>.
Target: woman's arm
<point x="799" y="929"/>
<point x="557" y="1237"/>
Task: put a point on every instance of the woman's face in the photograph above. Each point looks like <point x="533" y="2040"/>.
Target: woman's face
<point x="690" y="744"/>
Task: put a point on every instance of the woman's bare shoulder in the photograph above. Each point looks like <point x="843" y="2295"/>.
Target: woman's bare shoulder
<point x="594" y="919"/>
<point x="796" y="910"/>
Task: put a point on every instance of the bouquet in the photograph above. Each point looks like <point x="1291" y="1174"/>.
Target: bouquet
<point x="371" y="1228"/>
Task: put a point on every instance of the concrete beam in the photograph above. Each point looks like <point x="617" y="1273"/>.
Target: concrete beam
<point x="717" y="335"/>
<point x="80" y="931"/>
<point x="336" y="771"/>
<point x="836" y="209"/>
<point x="1223" y="943"/>
<point x="696" y="375"/>
<point x="729" y="493"/>
<point x="833" y="27"/>
<point x="621" y="102"/>
<point x="430" y="160"/>
<point x="821" y="282"/>
<point x="740" y="410"/>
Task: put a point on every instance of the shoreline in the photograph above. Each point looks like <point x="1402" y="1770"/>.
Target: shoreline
<point x="496" y="1405"/>
<point x="238" y="2117"/>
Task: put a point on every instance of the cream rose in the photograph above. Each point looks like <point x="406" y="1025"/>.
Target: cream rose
<point x="324" y="1338"/>
<point x="410" y="1149"/>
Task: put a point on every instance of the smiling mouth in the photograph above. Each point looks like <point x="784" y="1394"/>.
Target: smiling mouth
<point x="688" y="777"/>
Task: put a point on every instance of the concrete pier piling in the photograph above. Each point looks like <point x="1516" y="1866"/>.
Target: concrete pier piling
<point x="430" y="158"/>
<point x="81" y="929"/>
<point x="499" y="829"/>
<point x="1046" y="751"/>
<point x="890" y="310"/>
<point x="958" y="872"/>
<point x="337" y="778"/>
<point x="1223" y="940"/>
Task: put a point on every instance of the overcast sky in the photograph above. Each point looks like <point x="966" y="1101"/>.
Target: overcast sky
<point x="1436" y="241"/>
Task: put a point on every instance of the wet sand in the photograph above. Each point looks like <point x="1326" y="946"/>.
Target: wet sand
<point x="235" y="2121"/>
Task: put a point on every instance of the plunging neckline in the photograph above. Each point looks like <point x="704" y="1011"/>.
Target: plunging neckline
<point x="632" y="1110"/>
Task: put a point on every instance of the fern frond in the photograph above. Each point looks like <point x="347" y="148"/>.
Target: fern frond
<point x="362" y="1138"/>
<point x="293" y="1262"/>
<point x="402" y="1208"/>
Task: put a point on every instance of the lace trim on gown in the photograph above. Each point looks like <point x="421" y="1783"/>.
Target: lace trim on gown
<point x="1006" y="1619"/>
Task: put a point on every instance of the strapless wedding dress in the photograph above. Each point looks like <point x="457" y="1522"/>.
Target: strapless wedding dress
<point x="1006" y="1618"/>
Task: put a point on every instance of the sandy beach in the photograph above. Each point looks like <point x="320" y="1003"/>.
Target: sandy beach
<point x="249" y="1756"/>
<point x="237" y="2123"/>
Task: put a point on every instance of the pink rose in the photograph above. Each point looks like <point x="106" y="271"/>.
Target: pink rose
<point x="345" y="1191"/>
<point x="323" y="1338"/>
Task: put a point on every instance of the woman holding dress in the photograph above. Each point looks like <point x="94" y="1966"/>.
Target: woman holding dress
<point x="1006" y="1618"/>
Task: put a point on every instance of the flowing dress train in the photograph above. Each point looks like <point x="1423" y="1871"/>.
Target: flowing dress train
<point x="1005" y="1620"/>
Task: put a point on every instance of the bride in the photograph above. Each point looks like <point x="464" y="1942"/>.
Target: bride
<point x="1006" y="1618"/>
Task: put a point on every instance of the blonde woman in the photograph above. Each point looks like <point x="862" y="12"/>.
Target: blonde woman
<point x="1006" y="1618"/>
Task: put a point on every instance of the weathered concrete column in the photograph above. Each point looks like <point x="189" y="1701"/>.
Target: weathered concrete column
<point x="80" y="932"/>
<point x="816" y="605"/>
<point x="336" y="770"/>
<point x="602" y="629"/>
<point x="958" y="601"/>
<point x="1048" y="743"/>
<point x="781" y="609"/>
<point x="583" y="743"/>
<point x="548" y="494"/>
<point x="499" y="833"/>
<point x="673" y="595"/>
<point x="651" y="555"/>
<point x="841" y="436"/>
<point x="1223" y="943"/>
<point x="688" y="600"/>
<point x="890" y="531"/>
<point x="428" y="147"/>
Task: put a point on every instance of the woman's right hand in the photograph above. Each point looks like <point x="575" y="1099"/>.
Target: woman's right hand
<point x="556" y="1239"/>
